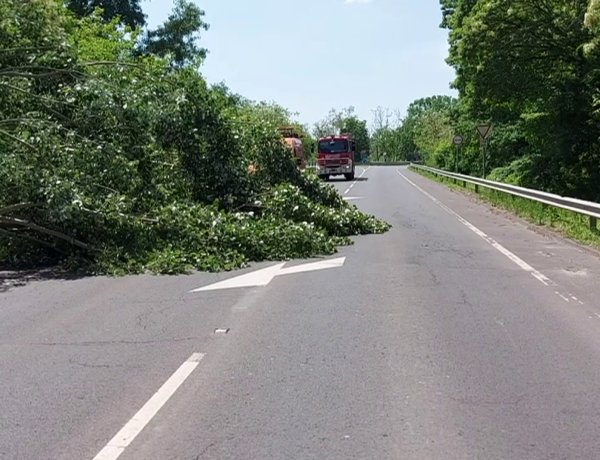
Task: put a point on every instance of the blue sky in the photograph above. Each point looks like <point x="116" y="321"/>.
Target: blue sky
<point x="315" y="55"/>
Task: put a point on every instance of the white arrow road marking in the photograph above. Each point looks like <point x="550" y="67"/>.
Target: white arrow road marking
<point x="321" y="265"/>
<point x="264" y="276"/>
<point x="257" y="278"/>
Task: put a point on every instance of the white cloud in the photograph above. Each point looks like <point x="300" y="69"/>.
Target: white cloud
<point x="359" y="1"/>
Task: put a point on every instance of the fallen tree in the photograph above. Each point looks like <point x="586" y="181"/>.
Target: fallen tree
<point x="121" y="163"/>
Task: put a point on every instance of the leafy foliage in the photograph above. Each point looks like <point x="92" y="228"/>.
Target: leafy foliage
<point x="278" y="116"/>
<point x="128" y="12"/>
<point x="360" y="134"/>
<point x="122" y="163"/>
<point x="529" y="68"/>
<point x="177" y="37"/>
<point x="288" y="201"/>
<point x="424" y="134"/>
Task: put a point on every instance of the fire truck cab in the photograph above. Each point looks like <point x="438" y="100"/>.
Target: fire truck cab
<point x="336" y="156"/>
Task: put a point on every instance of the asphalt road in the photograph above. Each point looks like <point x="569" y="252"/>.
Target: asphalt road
<point x="461" y="333"/>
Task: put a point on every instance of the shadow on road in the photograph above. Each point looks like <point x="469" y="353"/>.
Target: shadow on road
<point x="11" y="279"/>
<point x="341" y="179"/>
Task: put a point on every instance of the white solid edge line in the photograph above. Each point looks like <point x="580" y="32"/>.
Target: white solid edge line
<point x="511" y="256"/>
<point x="117" y="445"/>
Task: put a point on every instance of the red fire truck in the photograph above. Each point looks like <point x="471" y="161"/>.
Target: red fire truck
<point x="336" y="156"/>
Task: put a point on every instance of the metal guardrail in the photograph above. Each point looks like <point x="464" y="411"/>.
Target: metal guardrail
<point x="587" y="208"/>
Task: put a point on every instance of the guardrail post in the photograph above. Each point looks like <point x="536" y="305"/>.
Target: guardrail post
<point x="544" y="209"/>
<point x="476" y="188"/>
<point x="593" y="224"/>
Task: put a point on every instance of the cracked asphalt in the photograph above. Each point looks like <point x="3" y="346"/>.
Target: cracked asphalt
<point x="429" y="343"/>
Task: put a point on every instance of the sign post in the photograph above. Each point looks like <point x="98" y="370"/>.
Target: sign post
<point x="484" y="131"/>
<point x="457" y="141"/>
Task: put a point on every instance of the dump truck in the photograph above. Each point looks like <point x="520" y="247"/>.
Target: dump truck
<point x="292" y="140"/>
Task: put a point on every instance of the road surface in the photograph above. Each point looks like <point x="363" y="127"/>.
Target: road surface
<point x="461" y="333"/>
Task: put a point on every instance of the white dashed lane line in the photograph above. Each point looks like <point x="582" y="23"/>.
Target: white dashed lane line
<point x="117" y="445"/>
<point x="354" y="183"/>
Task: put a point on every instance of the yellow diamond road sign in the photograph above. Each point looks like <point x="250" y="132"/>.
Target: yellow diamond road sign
<point x="484" y="131"/>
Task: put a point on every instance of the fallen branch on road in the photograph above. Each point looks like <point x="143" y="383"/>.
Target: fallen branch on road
<point x="7" y="221"/>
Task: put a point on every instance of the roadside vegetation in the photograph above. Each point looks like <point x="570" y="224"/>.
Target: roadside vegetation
<point x="531" y="70"/>
<point x="117" y="157"/>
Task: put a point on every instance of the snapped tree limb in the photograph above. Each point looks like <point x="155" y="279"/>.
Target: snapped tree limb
<point x="13" y="221"/>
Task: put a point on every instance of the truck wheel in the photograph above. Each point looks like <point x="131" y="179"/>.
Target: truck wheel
<point x="324" y="177"/>
<point x="349" y="176"/>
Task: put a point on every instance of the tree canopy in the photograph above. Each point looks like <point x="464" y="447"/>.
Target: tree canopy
<point x="523" y="67"/>
<point x="128" y="12"/>
<point x="178" y="36"/>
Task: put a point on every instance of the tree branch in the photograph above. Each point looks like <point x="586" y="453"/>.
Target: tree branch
<point x="16" y="74"/>
<point x="31" y="48"/>
<point x="108" y="63"/>
<point x="30" y="238"/>
<point x="16" y="139"/>
<point x="46" y="231"/>
<point x="29" y="93"/>
<point x="15" y="207"/>
<point x="127" y="216"/>
<point x="43" y="98"/>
